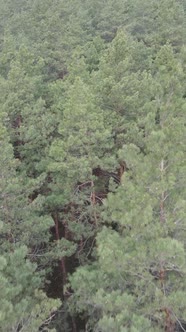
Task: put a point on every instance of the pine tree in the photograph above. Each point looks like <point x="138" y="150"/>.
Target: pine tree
<point x="138" y="281"/>
<point x="23" y="304"/>
<point x="92" y="164"/>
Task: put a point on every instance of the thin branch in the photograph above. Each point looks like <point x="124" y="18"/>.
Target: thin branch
<point x="180" y="324"/>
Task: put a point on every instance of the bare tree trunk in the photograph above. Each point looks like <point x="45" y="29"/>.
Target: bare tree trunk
<point x="169" y="322"/>
<point x="62" y="260"/>
<point x="74" y="327"/>
<point x="163" y="194"/>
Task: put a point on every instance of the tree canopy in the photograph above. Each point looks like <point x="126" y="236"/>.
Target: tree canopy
<point x="92" y="180"/>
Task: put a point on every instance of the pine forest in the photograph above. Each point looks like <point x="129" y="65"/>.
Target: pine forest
<point x="92" y="165"/>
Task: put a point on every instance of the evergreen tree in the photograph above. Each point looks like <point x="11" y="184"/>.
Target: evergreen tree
<point x="92" y="165"/>
<point x="23" y="305"/>
<point x="138" y="281"/>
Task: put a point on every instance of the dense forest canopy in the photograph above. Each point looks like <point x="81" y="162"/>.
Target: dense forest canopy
<point x="92" y="176"/>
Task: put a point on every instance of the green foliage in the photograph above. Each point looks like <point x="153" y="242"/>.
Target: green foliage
<point x="145" y="258"/>
<point x="92" y="145"/>
<point x="83" y="135"/>
<point x="23" y="305"/>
